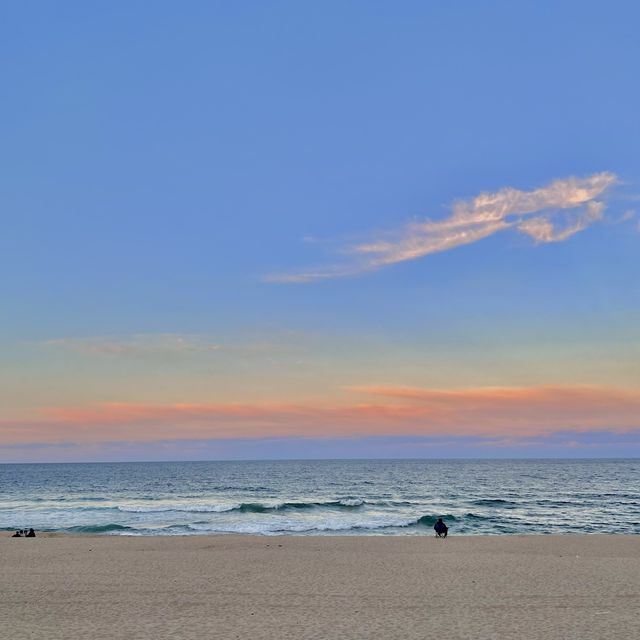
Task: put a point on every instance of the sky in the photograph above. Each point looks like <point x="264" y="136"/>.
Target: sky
<point x="306" y="230"/>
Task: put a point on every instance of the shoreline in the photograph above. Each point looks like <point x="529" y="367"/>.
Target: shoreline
<point x="321" y="536"/>
<point x="565" y="586"/>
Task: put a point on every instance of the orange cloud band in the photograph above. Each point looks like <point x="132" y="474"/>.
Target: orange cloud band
<point x="492" y="412"/>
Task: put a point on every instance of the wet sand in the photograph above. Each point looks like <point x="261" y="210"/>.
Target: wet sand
<point x="183" y="588"/>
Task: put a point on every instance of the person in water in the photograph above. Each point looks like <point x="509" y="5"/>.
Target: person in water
<point x="441" y="528"/>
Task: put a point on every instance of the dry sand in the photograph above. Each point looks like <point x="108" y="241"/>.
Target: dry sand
<point x="320" y="587"/>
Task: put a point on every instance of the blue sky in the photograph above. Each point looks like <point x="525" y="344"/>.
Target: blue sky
<point x="162" y="162"/>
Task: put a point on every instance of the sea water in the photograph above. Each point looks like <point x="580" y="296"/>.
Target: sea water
<point x="338" y="497"/>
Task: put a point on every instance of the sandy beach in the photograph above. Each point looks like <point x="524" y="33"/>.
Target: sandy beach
<point x="565" y="587"/>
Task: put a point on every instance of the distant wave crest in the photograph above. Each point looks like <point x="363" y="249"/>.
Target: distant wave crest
<point x="260" y="507"/>
<point x="112" y="527"/>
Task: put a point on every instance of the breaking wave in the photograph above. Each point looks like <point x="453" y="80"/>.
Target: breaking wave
<point x="260" y="507"/>
<point x="112" y="527"/>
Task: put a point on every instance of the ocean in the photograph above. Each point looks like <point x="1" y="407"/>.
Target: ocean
<point x="335" y="497"/>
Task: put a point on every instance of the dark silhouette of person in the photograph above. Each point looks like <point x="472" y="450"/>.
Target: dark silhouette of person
<point x="17" y="534"/>
<point x="441" y="528"/>
<point x="30" y="534"/>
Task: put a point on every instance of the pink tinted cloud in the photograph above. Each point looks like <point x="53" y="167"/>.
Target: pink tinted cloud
<point x="552" y="213"/>
<point x="524" y="410"/>
<point x="492" y="412"/>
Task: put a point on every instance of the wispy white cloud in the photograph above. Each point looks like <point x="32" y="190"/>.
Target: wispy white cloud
<point x="313" y="275"/>
<point x="628" y="215"/>
<point x="542" y="228"/>
<point x="552" y="213"/>
<point x="151" y="344"/>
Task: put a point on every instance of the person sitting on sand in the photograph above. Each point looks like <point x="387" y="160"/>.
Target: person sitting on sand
<point x="17" y="534"/>
<point x="30" y="534"/>
<point x="441" y="528"/>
